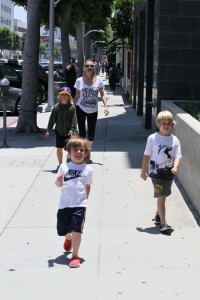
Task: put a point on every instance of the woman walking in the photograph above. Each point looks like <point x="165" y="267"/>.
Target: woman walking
<point x="86" y="100"/>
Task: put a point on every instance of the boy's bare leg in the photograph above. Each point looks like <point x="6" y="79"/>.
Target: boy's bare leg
<point x="161" y="208"/>
<point x="68" y="236"/>
<point x="60" y="155"/>
<point x="76" y="241"/>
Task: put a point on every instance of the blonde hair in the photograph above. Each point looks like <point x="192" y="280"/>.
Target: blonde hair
<point x="76" y="141"/>
<point x="69" y="98"/>
<point x="165" y="115"/>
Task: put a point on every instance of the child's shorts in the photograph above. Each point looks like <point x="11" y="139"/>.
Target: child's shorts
<point x="161" y="187"/>
<point x="61" y="140"/>
<point x="70" y="219"/>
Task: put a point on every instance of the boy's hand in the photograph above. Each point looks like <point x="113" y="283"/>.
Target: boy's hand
<point x="46" y="135"/>
<point x="60" y="177"/>
<point x="144" y="176"/>
<point x="59" y="180"/>
<point x="70" y="133"/>
<point x="174" y="170"/>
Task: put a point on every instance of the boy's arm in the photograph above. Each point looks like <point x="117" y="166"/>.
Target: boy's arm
<point x="145" y="162"/>
<point x="50" y="123"/>
<point x="88" y="189"/>
<point x="176" y="165"/>
<point x="59" y="180"/>
<point x="74" y="121"/>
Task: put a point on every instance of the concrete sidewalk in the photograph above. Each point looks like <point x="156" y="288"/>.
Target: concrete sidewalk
<point x="123" y="254"/>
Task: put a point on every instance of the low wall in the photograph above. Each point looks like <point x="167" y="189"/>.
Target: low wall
<point x="188" y="132"/>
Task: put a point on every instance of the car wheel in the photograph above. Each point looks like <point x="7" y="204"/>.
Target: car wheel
<point x="39" y="98"/>
<point x="17" y="106"/>
<point x="40" y="94"/>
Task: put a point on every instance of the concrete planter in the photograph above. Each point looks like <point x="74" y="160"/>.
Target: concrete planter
<point x="188" y="131"/>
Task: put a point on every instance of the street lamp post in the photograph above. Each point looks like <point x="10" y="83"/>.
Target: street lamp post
<point x="51" y="58"/>
<point x="93" y="30"/>
<point x="103" y="42"/>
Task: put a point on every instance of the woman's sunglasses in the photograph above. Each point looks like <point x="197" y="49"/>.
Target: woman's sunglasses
<point x="89" y="66"/>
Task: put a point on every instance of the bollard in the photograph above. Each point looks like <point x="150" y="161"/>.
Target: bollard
<point x="4" y="86"/>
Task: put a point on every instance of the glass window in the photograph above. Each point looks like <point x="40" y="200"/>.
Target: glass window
<point x="9" y="73"/>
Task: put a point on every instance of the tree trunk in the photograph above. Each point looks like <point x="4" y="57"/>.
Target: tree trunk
<point x="64" y="27"/>
<point x="80" y="45"/>
<point x="27" y="121"/>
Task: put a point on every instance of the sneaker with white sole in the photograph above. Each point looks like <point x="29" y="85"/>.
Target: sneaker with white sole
<point x="165" y="228"/>
<point x="157" y="220"/>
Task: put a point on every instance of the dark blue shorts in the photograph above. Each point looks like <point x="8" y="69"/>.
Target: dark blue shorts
<point x="70" y="219"/>
<point x="61" y="140"/>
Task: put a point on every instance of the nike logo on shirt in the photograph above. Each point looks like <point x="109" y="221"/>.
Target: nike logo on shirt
<point x="72" y="174"/>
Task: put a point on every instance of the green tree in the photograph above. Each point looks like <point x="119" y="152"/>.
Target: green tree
<point x="122" y="20"/>
<point x="16" y="41"/>
<point x="5" y="39"/>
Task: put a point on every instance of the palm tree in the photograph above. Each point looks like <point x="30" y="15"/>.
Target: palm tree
<point x="27" y="116"/>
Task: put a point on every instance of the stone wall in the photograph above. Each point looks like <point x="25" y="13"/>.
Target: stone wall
<point x="188" y="131"/>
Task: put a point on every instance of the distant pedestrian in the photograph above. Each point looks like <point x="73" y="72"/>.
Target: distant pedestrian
<point x="119" y="73"/>
<point x="63" y="116"/>
<point x="162" y="157"/>
<point x="70" y="74"/>
<point x="74" y="178"/>
<point x="96" y="67"/>
<point x="113" y="77"/>
<point x="86" y="100"/>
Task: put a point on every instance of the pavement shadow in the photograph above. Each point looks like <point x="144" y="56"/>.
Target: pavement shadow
<point x="61" y="260"/>
<point x="154" y="230"/>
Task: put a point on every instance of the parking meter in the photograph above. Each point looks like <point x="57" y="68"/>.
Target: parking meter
<point x="4" y="87"/>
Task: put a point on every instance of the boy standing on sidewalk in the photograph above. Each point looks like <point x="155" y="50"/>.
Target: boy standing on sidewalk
<point x="162" y="158"/>
<point x="63" y="116"/>
<point x="74" y="178"/>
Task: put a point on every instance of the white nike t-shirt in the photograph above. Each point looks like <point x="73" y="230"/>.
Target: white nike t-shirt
<point x="73" y="190"/>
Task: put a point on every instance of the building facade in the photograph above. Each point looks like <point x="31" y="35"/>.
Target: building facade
<point x="7" y="14"/>
<point x="19" y="27"/>
<point x="166" y="60"/>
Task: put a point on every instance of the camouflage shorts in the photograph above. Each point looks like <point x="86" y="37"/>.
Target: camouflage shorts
<point x="161" y="187"/>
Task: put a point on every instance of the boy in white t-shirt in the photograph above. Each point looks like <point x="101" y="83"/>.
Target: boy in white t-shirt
<point x="162" y="158"/>
<point x="74" y="178"/>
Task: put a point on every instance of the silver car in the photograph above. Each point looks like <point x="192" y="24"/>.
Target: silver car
<point x="13" y="102"/>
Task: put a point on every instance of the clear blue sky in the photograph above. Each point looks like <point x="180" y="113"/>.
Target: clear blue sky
<point x="20" y="13"/>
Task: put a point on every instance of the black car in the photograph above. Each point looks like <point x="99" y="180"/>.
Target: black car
<point x="58" y="70"/>
<point x="13" y="72"/>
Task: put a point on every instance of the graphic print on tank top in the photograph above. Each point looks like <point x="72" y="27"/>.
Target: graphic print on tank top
<point x="90" y="97"/>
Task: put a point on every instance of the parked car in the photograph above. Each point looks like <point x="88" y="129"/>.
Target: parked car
<point x="13" y="72"/>
<point x="58" y="70"/>
<point x="13" y="102"/>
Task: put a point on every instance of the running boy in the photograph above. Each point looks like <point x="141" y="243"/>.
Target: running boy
<point x="63" y="115"/>
<point x="162" y="157"/>
<point x="74" y="178"/>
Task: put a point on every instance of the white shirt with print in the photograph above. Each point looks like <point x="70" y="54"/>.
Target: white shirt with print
<point x="163" y="150"/>
<point x="88" y="100"/>
<point x="73" y="190"/>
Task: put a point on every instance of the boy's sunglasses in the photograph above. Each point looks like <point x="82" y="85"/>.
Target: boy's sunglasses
<point x="89" y="66"/>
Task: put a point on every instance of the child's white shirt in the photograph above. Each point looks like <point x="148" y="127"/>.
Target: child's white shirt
<point x="73" y="190"/>
<point x="163" y="150"/>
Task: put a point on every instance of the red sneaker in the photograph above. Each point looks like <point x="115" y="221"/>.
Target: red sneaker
<point x="67" y="245"/>
<point x="74" y="262"/>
